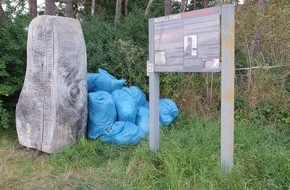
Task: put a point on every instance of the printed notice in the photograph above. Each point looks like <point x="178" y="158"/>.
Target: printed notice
<point x="187" y="42"/>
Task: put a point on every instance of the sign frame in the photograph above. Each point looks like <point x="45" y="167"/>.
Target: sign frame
<point x="227" y="70"/>
<point x="187" y="42"/>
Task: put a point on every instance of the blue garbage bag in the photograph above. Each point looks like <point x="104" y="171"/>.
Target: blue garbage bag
<point x="138" y="96"/>
<point x="107" y="82"/>
<point x="125" y="106"/>
<point x="102" y="113"/>
<point x="168" y="111"/>
<point x="142" y="119"/>
<point x="146" y="104"/>
<point x="123" y="132"/>
<point x="92" y="82"/>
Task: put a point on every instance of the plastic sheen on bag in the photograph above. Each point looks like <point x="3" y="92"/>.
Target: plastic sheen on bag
<point x="146" y="104"/>
<point x="123" y="132"/>
<point x="102" y="113"/>
<point x="138" y="96"/>
<point x="92" y="82"/>
<point x="125" y="106"/>
<point x="107" y="82"/>
<point x="142" y="119"/>
<point x="168" y="111"/>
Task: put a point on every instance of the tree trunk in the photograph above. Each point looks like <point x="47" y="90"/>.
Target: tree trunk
<point x="126" y="7"/>
<point x="258" y="33"/>
<point x="168" y="7"/>
<point x="194" y="4"/>
<point x="150" y="3"/>
<point x="93" y="7"/>
<point x="78" y="17"/>
<point x="118" y="10"/>
<point x="32" y="8"/>
<point x="205" y="3"/>
<point x="183" y="4"/>
<point x="2" y="14"/>
<point x="69" y="9"/>
<point x="49" y="7"/>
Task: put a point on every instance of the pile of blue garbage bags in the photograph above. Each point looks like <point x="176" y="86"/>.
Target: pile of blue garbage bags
<point x="119" y="114"/>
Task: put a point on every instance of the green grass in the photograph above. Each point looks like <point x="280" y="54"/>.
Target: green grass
<point x="189" y="158"/>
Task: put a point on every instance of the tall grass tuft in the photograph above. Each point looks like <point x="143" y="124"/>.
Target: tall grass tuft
<point x="188" y="158"/>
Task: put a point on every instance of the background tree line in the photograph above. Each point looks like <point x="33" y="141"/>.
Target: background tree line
<point x="116" y="35"/>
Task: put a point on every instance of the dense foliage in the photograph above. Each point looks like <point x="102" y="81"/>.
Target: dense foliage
<point x="122" y="49"/>
<point x="13" y="37"/>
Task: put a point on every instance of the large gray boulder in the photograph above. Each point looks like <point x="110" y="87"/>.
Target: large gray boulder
<point x="51" y="112"/>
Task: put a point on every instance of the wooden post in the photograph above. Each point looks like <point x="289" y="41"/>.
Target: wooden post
<point x="227" y="86"/>
<point x="153" y="97"/>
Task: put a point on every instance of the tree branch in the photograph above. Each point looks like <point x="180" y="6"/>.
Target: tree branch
<point x="150" y="3"/>
<point x="2" y="14"/>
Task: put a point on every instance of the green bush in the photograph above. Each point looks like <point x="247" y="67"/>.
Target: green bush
<point x="287" y="83"/>
<point x="119" y="48"/>
<point x="13" y="37"/>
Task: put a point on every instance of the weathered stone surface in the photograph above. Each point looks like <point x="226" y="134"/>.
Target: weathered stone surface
<point x="51" y="112"/>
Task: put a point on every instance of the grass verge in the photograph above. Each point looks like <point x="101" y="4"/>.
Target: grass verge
<point x="189" y="158"/>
